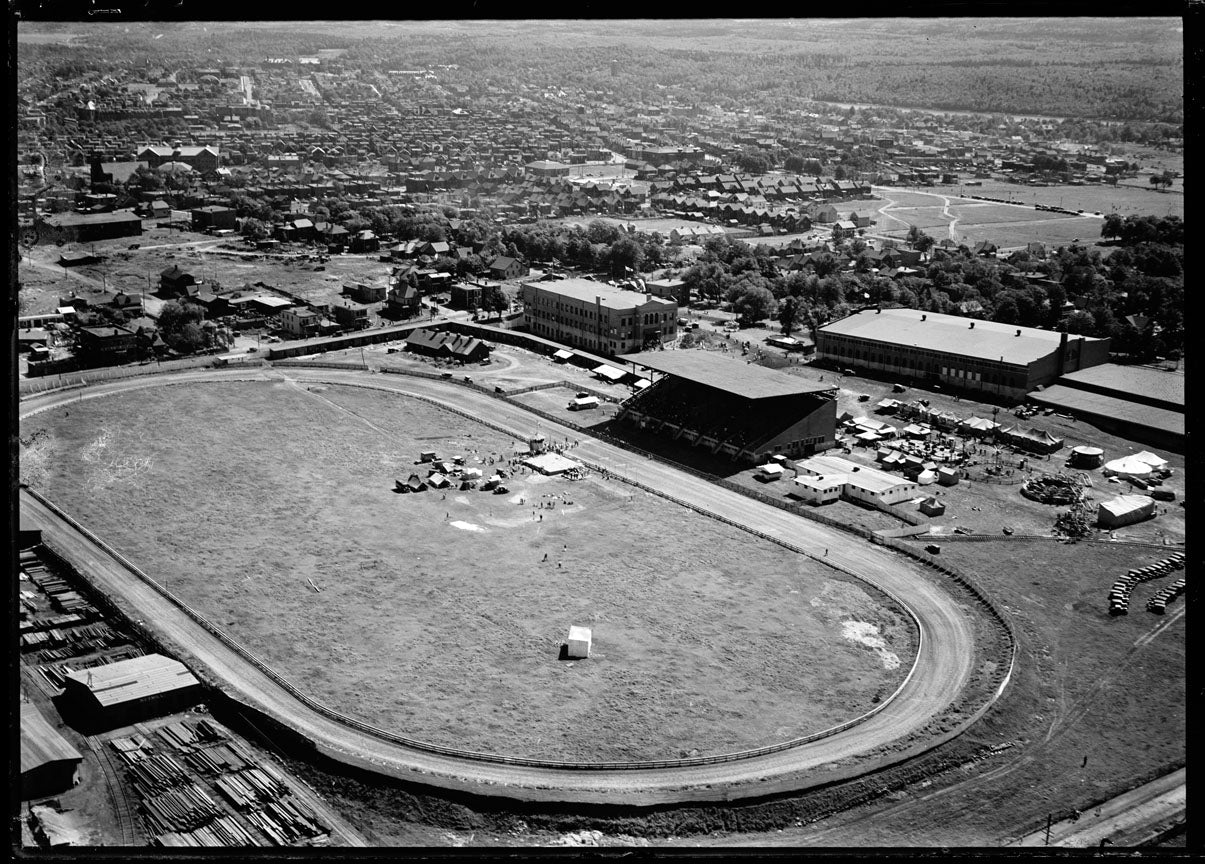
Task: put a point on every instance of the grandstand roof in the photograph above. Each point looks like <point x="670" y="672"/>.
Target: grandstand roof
<point x="727" y="374"/>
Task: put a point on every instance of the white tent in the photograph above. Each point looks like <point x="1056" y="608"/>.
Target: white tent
<point x="926" y="477"/>
<point x="579" y="643"/>
<point x="1156" y="462"/>
<point x="562" y="355"/>
<point x="609" y="373"/>
<point x="1128" y="466"/>
<point x="1124" y="510"/>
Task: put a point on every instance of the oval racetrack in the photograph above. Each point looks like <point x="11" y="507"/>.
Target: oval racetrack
<point x="943" y="665"/>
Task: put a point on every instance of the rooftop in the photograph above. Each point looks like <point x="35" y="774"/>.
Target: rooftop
<point x="588" y="290"/>
<point x="1114" y="408"/>
<point x="40" y="742"/>
<point x="727" y="374"/>
<point x="136" y="678"/>
<point x="987" y="340"/>
<point x="862" y="476"/>
<point x="1153" y="383"/>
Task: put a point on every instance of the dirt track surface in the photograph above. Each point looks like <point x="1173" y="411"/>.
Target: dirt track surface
<point x="944" y="661"/>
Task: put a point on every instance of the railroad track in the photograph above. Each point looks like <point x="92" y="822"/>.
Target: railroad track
<point x="127" y="822"/>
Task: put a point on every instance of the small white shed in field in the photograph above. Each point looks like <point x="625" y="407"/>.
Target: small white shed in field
<point x="579" y="643"/>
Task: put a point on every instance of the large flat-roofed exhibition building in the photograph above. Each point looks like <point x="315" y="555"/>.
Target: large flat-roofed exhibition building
<point x="1135" y="402"/>
<point x="738" y="409"/>
<point x="961" y="353"/>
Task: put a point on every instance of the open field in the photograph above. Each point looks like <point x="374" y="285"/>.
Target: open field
<point x="1129" y="200"/>
<point x="1054" y="232"/>
<point x="1096" y="706"/>
<point x="1000" y="214"/>
<point x="706" y="643"/>
<point x="137" y="270"/>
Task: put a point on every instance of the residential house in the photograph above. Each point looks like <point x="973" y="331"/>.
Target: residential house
<point x="465" y="296"/>
<point x="504" y="267"/>
<point x="174" y="282"/>
<point x="213" y="217"/>
<point x="363" y="293"/>
<point x="403" y="301"/>
<point x="349" y="317"/>
<point x="301" y="322"/>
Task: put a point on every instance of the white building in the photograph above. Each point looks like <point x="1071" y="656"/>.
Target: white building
<point x="820" y="475"/>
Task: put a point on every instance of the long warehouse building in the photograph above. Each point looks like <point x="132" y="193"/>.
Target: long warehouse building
<point x="960" y="353"/>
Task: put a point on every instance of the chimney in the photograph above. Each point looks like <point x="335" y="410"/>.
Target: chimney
<point x="1062" y="354"/>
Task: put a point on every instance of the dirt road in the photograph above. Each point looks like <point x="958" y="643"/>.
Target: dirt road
<point x="945" y="656"/>
<point x="1126" y="820"/>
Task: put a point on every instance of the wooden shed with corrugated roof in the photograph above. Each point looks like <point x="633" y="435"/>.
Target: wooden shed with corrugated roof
<point x="49" y="764"/>
<point x="127" y="691"/>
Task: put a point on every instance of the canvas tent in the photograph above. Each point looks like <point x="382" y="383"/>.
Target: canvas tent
<point x="1157" y="463"/>
<point x="1035" y="440"/>
<point x="1127" y="466"/>
<point x="579" y="643"/>
<point x="932" y="507"/>
<point x="1086" y="457"/>
<point x="1124" y="510"/>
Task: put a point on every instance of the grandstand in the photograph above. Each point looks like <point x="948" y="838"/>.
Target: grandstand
<point x="744" y="411"/>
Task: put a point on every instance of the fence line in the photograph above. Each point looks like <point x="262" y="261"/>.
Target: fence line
<point x="84" y="377"/>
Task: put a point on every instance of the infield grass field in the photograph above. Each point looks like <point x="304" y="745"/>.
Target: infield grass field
<point x="270" y="507"/>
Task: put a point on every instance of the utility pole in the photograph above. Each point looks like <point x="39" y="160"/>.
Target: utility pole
<point x="1048" y="820"/>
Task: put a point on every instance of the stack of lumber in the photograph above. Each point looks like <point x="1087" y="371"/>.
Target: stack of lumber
<point x="157" y="773"/>
<point x="185" y="808"/>
<point x="286" y="822"/>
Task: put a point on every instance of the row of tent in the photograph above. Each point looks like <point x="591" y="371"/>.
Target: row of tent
<point x="1033" y="440"/>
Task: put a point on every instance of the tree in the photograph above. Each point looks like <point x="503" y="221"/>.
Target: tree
<point x="493" y="299"/>
<point x="754" y="304"/>
<point x="794" y="164"/>
<point x="174" y="316"/>
<point x="255" y="229"/>
<point x="791" y="313"/>
<point x="754" y="162"/>
<point x="1112" y="226"/>
<point x="626" y="253"/>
